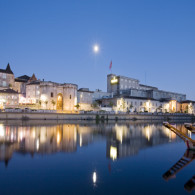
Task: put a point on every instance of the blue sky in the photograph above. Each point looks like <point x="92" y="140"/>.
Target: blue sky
<point x="54" y="40"/>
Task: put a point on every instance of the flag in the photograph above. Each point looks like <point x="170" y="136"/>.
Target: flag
<point x="110" y="65"/>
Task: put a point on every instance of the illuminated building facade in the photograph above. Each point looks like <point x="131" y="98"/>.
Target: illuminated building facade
<point x="120" y="85"/>
<point x="8" y="98"/>
<point x="129" y="95"/>
<point x="84" y="99"/>
<point x="135" y="104"/>
<point x="188" y="106"/>
<point x="51" y="95"/>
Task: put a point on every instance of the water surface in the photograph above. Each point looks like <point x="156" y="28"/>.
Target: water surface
<point x="87" y="158"/>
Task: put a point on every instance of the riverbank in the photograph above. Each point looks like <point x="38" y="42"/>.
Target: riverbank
<point x="93" y="116"/>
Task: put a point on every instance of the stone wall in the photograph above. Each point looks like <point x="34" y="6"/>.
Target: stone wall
<point x="103" y="116"/>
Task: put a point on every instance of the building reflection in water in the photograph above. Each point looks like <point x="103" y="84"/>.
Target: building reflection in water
<point x="129" y="139"/>
<point x="121" y="139"/>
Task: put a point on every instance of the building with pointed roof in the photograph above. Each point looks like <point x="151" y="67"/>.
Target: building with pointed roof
<point x="33" y="78"/>
<point x="6" y="78"/>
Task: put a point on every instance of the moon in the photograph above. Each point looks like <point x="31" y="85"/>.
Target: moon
<point x="96" y="48"/>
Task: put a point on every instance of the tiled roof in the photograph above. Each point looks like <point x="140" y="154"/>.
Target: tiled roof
<point x="188" y="101"/>
<point x="8" y="91"/>
<point x="23" y="77"/>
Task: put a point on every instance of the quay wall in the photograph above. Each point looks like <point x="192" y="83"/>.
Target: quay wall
<point x="92" y="116"/>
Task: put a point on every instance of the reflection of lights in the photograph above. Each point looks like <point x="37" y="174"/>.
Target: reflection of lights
<point x="113" y="152"/>
<point x="58" y="137"/>
<point x="12" y="136"/>
<point x="119" y="134"/>
<point x="2" y="132"/>
<point x="21" y="135"/>
<point x="94" y="177"/>
<point x="37" y="144"/>
<point x="148" y="134"/>
<point x="171" y="135"/>
<point x="81" y="141"/>
<point x="75" y="135"/>
<point x="33" y="134"/>
<point x="189" y="133"/>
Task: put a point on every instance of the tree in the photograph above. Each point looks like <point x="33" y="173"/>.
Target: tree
<point x="111" y="104"/>
<point x="124" y="106"/>
<point x="190" y="108"/>
<point x="40" y="102"/>
<point x="10" y="85"/>
<point x="94" y="105"/>
<point x="46" y="102"/>
<point x="53" y="103"/>
<point x="77" y="106"/>
<point x="130" y="107"/>
<point x="159" y="108"/>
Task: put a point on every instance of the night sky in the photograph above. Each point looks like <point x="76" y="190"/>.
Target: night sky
<point x="150" y="40"/>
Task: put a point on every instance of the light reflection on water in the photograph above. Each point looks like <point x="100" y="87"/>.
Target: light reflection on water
<point x="126" y="149"/>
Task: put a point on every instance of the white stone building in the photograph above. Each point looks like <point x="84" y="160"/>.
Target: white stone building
<point x="6" y="78"/>
<point x="51" y="95"/>
<point x="8" y="98"/>
<point x="135" y="104"/>
<point x="120" y="85"/>
<point x="84" y="99"/>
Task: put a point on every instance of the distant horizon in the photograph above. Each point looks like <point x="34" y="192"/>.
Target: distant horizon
<point x="152" y="41"/>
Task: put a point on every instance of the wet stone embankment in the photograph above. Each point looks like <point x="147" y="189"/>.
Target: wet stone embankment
<point x="94" y="116"/>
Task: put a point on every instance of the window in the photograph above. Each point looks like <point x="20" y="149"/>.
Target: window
<point x="4" y="76"/>
<point x="51" y="94"/>
<point x="70" y="96"/>
<point x="140" y="103"/>
<point x="4" y="83"/>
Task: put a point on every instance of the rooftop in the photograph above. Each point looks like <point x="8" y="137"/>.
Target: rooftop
<point x="8" y="91"/>
<point x="7" y="70"/>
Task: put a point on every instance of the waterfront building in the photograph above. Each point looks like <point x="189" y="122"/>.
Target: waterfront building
<point x="128" y="86"/>
<point x="98" y="94"/>
<point x="51" y="95"/>
<point x="6" y="78"/>
<point x="20" y="85"/>
<point x="134" y="104"/>
<point x="8" y="98"/>
<point x="84" y="99"/>
<point x="128" y="95"/>
<point x="123" y="94"/>
<point x="188" y="106"/>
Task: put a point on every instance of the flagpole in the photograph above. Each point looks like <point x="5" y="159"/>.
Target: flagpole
<point x="110" y="67"/>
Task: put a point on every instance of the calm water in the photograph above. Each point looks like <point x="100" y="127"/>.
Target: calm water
<point x="86" y="158"/>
